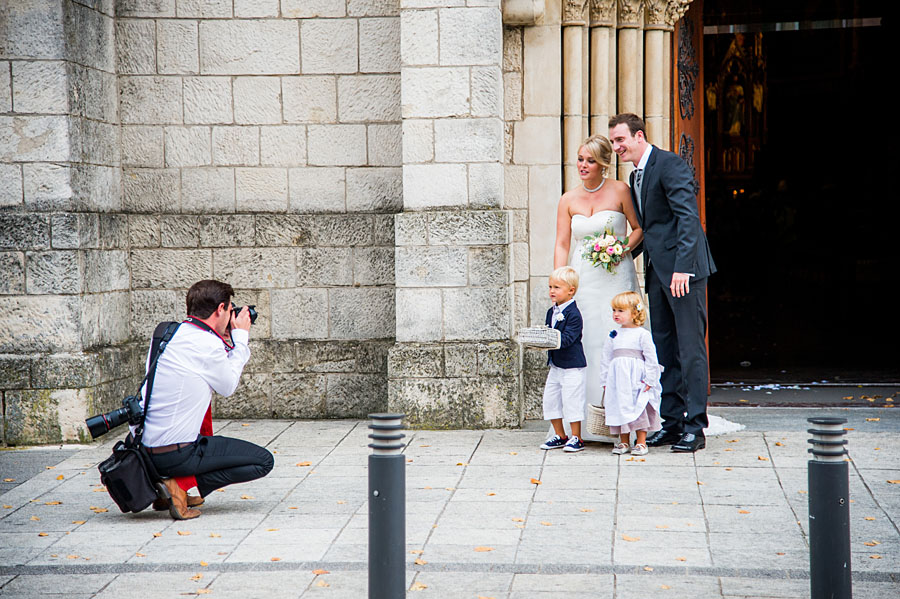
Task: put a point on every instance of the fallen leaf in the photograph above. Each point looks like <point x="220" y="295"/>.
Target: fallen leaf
<point x="485" y="597"/>
<point x="490" y="494"/>
<point x="482" y="549"/>
<point x="849" y="397"/>
<point x="341" y="502"/>
<point x="779" y="553"/>
<point x="872" y="419"/>
<point x="666" y="587"/>
<point x="60" y="477"/>
<point x="732" y="440"/>
<point x="518" y="519"/>
<point x="462" y="463"/>
<point x="50" y="467"/>
<point x="9" y="480"/>
<point x="139" y="554"/>
<point x="77" y="521"/>
<point x="513" y="453"/>
<point x="204" y="564"/>
<point x="321" y="583"/>
<point x="197" y="577"/>
<point x="293" y="507"/>
<point x="215" y="535"/>
<point x="43" y="534"/>
<point x="535" y="481"/>
<point x="53" y="503"/>
<point x="586" y="509"/>
<point x="545" y="523"/>
<point x="417" y="551"/>
<point x="868" y="518"/>
<point x="242" y="424"/>
<point x="681" y="559"/>
<point x="849" y="429"/>
<point x="7" y="507"/>
<point x="157" y="534"/>
<point x="876" y="556"/>
<point x="779" y="444"/>
<point x="699" y="483"/>
<point x="420" y="562"/>
<point x="246" y="496"/>
<point x="408" y="461"/>
<point x="802" y="492"/>
<point x="762" y="459"/>
<point x="630" y="539"/>
<point x="648" y="569"/>
<point x="424" y="445"/>
<point x="418" y="586"/>
<point x="319" y="572"/>
<point x="743" y="511"/>
<point x="35" y="518"/>
<point x="184" y="533"/>
<point x="271" y="529"/>
<point x="877" y="449"/>
<point x="728" y="469"/>
<point x="894" y="482"/>
<point x="872" y="543"/>
<point x="274" y="559"/>
<point x="71" y="557"/>
<point x="449" y="488"/>
<point x="204" y="591"/>
<point x="301" y="464"/>
<point x="662" y="526"/>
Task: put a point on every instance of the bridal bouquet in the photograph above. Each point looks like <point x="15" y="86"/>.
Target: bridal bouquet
<point x="605" y="249"/>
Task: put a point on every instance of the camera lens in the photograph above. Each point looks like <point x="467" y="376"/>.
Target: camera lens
<point x="103" y="423"/>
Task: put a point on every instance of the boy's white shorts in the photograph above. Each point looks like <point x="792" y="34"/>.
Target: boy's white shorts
<point x="564" y="394"/>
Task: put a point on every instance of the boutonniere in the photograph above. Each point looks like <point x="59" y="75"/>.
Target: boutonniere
<point x="612" y="334"/>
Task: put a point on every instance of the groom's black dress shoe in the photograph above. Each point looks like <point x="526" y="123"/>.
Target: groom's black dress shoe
<point x="689" y="443"/>
<point x="663" y="437"/>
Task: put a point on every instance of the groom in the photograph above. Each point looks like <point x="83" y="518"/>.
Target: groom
<point x="678" y="264"/>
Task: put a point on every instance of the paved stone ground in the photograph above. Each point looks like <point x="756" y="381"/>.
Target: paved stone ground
<point x="729" y="521"/>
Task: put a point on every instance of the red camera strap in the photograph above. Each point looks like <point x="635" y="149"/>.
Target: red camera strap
<point x="229" y="344"/>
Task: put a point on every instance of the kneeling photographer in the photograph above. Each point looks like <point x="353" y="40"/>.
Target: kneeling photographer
<point x="207" y="353"/>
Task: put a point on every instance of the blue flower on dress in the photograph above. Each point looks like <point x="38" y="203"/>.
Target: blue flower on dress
<point x="612" y="334"/>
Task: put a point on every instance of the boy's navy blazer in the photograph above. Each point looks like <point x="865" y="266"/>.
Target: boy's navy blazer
<point x="570" y="353"/>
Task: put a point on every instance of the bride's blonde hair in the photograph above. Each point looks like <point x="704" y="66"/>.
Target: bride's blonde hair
<point x="629" y="300"/>
<point x="600" y="149"/>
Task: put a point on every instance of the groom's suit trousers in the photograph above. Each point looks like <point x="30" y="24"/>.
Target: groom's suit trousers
<point x="678" y="325"/>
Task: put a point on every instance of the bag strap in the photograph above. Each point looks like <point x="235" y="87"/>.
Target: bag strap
<point x="161" y="336"/>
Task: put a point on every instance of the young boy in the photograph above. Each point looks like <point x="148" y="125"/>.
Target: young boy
<point x="564" y="393"/>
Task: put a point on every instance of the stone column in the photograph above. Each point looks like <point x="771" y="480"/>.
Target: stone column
<point x="630" y="88"/>
<point x="603" y="64"/>
<point x="574" y="80"/>
<point x="657" y="69"/>
<point x="454" y="364"/>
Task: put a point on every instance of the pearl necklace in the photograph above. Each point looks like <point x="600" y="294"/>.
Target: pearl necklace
<point x="602" y="181"/>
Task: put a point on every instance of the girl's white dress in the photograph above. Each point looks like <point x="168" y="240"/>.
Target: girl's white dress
<point x="627" y="366"/>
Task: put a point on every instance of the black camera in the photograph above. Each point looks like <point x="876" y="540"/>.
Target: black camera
<point x="252" y="309"/>
<point x="130" y="412"/>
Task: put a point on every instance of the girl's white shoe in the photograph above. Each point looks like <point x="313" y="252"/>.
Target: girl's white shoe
<point x="620" y="448"/>
<point x="639" y="449"/>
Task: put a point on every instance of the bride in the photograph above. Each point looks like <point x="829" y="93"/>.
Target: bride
<point x="598" y="205"/>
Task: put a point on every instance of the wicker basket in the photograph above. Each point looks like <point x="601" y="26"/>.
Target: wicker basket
<point x="596" y="420"/>
<point x="542" y="336"/>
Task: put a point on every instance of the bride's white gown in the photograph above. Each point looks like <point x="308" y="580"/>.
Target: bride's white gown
<point x="596" y="288"/>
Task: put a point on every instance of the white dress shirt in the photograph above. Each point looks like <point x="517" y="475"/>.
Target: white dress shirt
<point x="193" y="365"/>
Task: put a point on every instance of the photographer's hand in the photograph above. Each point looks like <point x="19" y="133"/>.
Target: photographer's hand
<point x="242" y="320"/>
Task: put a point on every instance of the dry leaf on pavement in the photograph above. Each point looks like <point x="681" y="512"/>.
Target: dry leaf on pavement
<point x="204" y="564"/>
<point x="762" y="459"/>
<point x="184" y="533"/>
<point x="681" y="559"/>
<point x="197" y="577"/>
<point x="420" y="562"/>
<point x="482" y="549"/>
<point x="43" y="534"/>
<point x="418" y="586"/>
<point x="319" y="572"/>
<point x="875" y="556"/>
<point x="535" y="481"/>
<point x="304" y="464"/>
<point x="321" y="583"/>
<point x="417" y="551"/>
<point x="743" y="511"/>
<point x="246" y="496"/>
<point x="274" y="559"/>
<point x="630" y="539"/>
<point x="60" y="477"/>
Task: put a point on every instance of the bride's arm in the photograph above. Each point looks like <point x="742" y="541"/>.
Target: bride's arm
<point x="637" y="233"/>
<point x="563" y="233"/>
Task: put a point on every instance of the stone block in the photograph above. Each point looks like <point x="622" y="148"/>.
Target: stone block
<point x="419" y="315"/>
<point x="379" y="45"/>
<point x="142" y="146"/>
<point x="487" y="92"/>
<point x="257" y="100"/>
<point x="385" y="145"/>
<point x="329" y="46"/>
<point x="419" y="39"/>
<point x="96" y="188"/>
<point x="251" y="399"/>
<point x="305" y="9"/>
<point x="167" y="269"/>
<point x="309" y="99"/>
<point x="33" y="29"/>
<point x="354" y="395"/>
<point x="150" y="100"/>
<point x="476" y="313"/>
<point x="282" y="145"/>
<point x="145" y="8"/>
<point x="355" y="230"/>
<point x="232" y="230"/>
<point x="188" y="146"/>
<point x="12" y="265"/>
<point x="32" y="416"/>
<point x="40" y="87"/>
<point x="53" y="272"/>
<point x="315" y="189"/>
<point x="47" y="187"/>
<point x="434" y="186"/>
<point x="486" y="185"/>
<point x="93" y="142"/>
<point x="470" y="227"/>
<point x="255" y="268"/>
<point x="249" y="47"/>
<point x="24" y="231"/>
<point x="289" y="321"/>
<point x="515" y="186"/>
<point x="489" y="265"/>
<point x="105" y="270"/>
<point x="298" y="395"/>
<point x="207" y="100"/>
<point x="498" y="359"/>
<point x="431" y="267"/>
<point x="271" y="355"/>
<point x="104" y="318"/>
<point x="520" y="305"/>
<point x="283" y="230"/>
<point x="94" y="45"/>
<point x="68" y="371"/>
<point x="520" y="261"/>
<point x="113" y="232"/>
<point x="15" y="372"/>
<point x="541" y="70"/>
<point x="325" y="356"/>
<point x="418" y="140"/>
<point x="373" y="266"/>
<point x="203" y="9"/>
<point x="434" y="92"/>
<point x="5" y="87"/>
<point x="374" y="189"/>
<point x="177" y="46"/>
<point x="150" y="190"/>
<point x="408" y="360"/>
<point x="460" y="360"/>
<point x="261" y="189"/>
<point x="537" y="140"/>
<point x="235" y="146"/>
<point x="468" y="140"/>
<point x="538" y="301"/>
<point x="255" y="8"/>
<point x="149" y="308"/>
<point x="361" y="313"/>
<point x="383" y="225"/>
<point x="457" y="403"/>
<point x="324" y="267"/>
<point x="45" y="323"/>
<point x="410" y="228"/>
<point x="337" y="145"/>
<point x="135" y="46"/>
<point x="373" y="8"/>
<point x="11" y="193"/>
<point x="143" y="230"/>
<point x="512" y="49"/>
<point x="533" y="393"/>
<point x="512" y="96"/>
<point x="34" y="138"/>
<point x="471" y="36"/>
<point x="371" y="356"/>
<point x="369" y="98"/>
<point x="544" y="184"/>
<point x="207" y="190"/>
<point x="179" y="231"/>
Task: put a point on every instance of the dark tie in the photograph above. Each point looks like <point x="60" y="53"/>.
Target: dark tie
<point x="638" y="175"/>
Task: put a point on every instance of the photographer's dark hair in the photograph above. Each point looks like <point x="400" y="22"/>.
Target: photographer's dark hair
<point x="205" y="296"/>
<point x="634" y="122"/>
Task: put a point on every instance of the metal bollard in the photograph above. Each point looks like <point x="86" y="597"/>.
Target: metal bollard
<point x="829" y="511"/>
<point x="387" y="508"/>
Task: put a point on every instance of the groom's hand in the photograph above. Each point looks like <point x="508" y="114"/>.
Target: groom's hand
<point x="681" y="284"/>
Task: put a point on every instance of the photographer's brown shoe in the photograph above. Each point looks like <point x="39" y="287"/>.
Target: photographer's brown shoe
<point x="160" y="505"/>
<point x="178" y="506"/>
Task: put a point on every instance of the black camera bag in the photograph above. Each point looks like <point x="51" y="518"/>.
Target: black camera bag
<point x="128" y="474"/>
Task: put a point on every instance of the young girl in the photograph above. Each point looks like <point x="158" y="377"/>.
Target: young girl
<point x="630" y="375"/>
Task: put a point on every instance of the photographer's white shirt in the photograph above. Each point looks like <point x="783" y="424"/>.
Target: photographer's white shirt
<point x="193" y="365"/>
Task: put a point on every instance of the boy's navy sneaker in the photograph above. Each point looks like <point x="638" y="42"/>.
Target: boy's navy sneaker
<point x="554" y="442"/>
<point x="574" y="444"/>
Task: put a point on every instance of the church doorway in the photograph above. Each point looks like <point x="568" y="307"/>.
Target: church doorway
<point x="799" y="205"/>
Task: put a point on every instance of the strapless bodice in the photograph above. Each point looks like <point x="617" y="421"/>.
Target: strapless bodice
<point x="599" y="221"/>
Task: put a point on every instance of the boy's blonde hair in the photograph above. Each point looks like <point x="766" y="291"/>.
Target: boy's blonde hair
<point x="567" y="275"/>
<point x="629" y="300"/>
